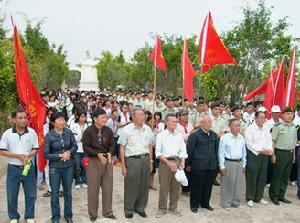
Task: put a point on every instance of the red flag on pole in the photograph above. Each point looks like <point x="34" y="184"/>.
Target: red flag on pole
<point x="257" y="91"/>
<point x="188" y="73"/>
<point x="30" y="98"/>
<point x="157" y="57"/>
<point x="289" y="94"/>
<point x="275" y="91"/>
<point x="211" y="48"/>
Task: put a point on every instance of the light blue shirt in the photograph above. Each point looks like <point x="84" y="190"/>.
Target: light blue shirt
<point x="232" y="147"/>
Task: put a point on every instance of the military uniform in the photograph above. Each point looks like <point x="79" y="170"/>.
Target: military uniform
<point x="284" y="135"/>
<point x="167" y="111"/>
<point x="192" y="116"/>
<point x="219" y="124"/>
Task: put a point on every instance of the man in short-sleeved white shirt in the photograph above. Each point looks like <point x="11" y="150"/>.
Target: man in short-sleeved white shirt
<point x="136" y="142"/>
<point x="19" y="144"/>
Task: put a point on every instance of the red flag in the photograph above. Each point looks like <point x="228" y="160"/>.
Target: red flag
<point x="157" y="57"/>
<point x="257" y="91"/>
<point x="289" y="94"/>
<point x="188" y="73"/>
<point x="211" y="48"/>
<point x="30" y="98"/>
<point x="275" y="91"/>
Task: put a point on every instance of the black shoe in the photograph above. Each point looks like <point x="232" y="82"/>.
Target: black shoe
<point x="209" y="208"/>
<point x="93" y="219"/>
<point x="111" y="217"/>
<point x="194" y="210"/>
<point x="185" y="193"/>
<point x="284" y="200"/>
<point x="55" y="221"/>
<point x="275" y="201"/>
<point x="69" y="220"/>
<point x="142" y="214"/>
<point x="128" y="215"/>
<point x="216" y="183"/>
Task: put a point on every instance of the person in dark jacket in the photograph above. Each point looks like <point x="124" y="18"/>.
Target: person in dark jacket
<point x="60" y="146"/>
<point x="202" y="149"/>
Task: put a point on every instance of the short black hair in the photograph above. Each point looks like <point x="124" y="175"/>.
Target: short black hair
<point x="57" y="115"/>
<point x="170" y="115"/>
<point x="259" y="112"/>
<point x="15" y="113"/>
<point x="97" y="112"/>
<point x="232" y="120"/>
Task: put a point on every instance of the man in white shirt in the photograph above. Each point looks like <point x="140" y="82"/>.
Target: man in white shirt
<point x="259" y="144"/>
<point x="171" y="151"/>
<point x="232" y="162"/>
<point x="248" y="116"/>
<point x="136" y="144"/>
<point x="20" y="144"/>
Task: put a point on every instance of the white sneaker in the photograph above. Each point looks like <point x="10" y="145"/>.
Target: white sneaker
<point x="77" y="186"/>
<point x="250" y="204"/>
<point x="84" y="185"/>
<point x="268" y="185"/>
<point x="293" y="183"/>
<point x="13" y="221"/>
<point x="264" y="202"/>
<point x="30" y="221"/>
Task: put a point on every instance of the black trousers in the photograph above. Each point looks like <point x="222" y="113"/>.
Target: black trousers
<point x="201" y="182"/>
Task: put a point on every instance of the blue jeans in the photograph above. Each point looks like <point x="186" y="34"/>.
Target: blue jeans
<point x="80" y="170"/>
<point x="14" y="179"/>
<point x="56" y="176"/>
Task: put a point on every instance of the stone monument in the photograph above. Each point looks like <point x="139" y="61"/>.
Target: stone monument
<point x="89" y="78"/>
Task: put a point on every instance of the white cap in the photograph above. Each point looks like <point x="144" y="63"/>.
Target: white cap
<point x="181" y="177"/>
<point x="275" y="108"/>
<point x="262" y="109"/>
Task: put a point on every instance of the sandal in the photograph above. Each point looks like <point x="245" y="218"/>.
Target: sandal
<point x="47" y="194"/>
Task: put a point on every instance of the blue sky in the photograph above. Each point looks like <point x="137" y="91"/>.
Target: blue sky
<point x="115" y="25"/>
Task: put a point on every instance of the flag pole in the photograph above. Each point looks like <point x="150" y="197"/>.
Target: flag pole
<point x="183" y="68"/>
<point x="198" y="95"/>
<point x="154" y="84"/>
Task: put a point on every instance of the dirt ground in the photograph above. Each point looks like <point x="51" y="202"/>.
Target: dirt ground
<point x="260" y="213"/>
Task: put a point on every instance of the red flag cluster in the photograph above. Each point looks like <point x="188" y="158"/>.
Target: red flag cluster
<point x="211" y="52"/>
<point x="29" y="96"/>
<point x="276" y="93"/>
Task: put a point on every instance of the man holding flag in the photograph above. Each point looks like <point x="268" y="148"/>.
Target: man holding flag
<point x="21" y="143"/>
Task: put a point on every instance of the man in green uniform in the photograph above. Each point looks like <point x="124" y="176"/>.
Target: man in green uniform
<point x="284" y="136"/>
<point x="169" y="109"/>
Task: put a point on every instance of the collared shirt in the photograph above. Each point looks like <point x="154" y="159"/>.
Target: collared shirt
<point x="270" y="123"/>
<point x="137" y="141"/>
<point x="285" y="136"/>
<point x="123" y="119"/>
<point x="167" y="111"/>
<point x="219" y="124"/>
<point x="17" y="143"/>
<point x="78" y="132"/>
<point x="248" y="118"/>
<point x="232" y="147"/>
<point x="96" y="140"/>
<point x="202" y="149"/>
<point x="170" y="144"/>
<point x="258" y="138"/>
<point x="56" y="144"/>
<point x="184" y="130"/>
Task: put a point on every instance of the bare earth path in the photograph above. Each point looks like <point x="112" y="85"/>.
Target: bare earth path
<point x="264" y="214"/>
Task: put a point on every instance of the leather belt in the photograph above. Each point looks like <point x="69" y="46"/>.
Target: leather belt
<point x="141" y="156"/>
<point x="173" y="158"/>
<point x="233" y="160"/>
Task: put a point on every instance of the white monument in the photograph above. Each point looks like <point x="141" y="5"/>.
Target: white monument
<point x="89" y="78"/>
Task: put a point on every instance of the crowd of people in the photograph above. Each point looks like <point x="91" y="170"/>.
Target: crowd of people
<point x="194" y="145"/>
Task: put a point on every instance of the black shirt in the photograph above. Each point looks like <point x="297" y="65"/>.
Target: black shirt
<point x="98" y="141"/>
<point x="202" y="149"/>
